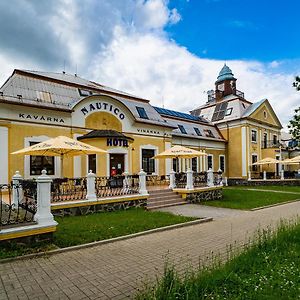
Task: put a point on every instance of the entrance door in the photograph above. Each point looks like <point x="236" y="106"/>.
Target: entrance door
<point x="116" y="164"/>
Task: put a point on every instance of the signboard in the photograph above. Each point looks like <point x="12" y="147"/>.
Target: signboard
<point x="117" y="142"/>
<point x="103" y="106"/>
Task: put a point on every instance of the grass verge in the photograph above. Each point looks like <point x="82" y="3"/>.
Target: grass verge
<point x="269" y="269"/>
<point x="240" y="198"/>
<point x="96" y="227"/>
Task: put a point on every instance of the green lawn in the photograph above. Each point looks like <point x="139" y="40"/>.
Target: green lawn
<point x="294" y="189"/>
<point x="241" y="198"/>
<point x="95" y="227"/>
<point x="268" y="270"/>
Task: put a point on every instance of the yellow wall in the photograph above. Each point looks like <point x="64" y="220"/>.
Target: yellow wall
<point x="234" y="151"/>
<point x="16" y="138"/>
<point x="103" y="120"/>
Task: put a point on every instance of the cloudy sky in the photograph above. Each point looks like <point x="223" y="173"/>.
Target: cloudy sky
<point x="167" y="51"/>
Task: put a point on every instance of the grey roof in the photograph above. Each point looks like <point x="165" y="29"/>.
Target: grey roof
<point x="190" y="126"/>
<point x="253" y="108"/>
<point x="103" y="133"/>
<point x="75" y="79"/>
<point x="43" y="92"/>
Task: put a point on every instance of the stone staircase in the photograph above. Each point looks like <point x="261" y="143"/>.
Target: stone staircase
<point x="163" y="198"/>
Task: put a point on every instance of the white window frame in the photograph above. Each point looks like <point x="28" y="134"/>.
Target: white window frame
<point x="254" y="142"/>
<point x="156" y="161"/>
<point x="87" y="164"/>
<point x="212" y="161"/>
<point x="57" y="162"/>
<point x="222" y="155"/>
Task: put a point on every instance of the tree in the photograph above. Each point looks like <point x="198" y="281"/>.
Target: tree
<point x="294" y="125"/>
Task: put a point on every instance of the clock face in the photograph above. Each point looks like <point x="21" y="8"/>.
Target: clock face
<point x="221" y="87"/>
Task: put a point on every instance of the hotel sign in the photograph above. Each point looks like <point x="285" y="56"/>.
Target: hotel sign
<point x="103" y="106"/>
<point x="117" y="142"/>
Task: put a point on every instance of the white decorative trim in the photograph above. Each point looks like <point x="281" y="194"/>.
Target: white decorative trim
<point x="244" y="152"/>
<point x="77" y="161"/>
<point x="87" y="164"/>
<point x="4" y="155"/>
<point x="39" y="139"/>
<point x="168" y="163"/>
<point x="156" y="163"/>
<point x="117" y="151"/>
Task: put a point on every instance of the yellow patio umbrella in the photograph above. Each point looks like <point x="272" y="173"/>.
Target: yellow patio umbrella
<point x="180" y="152"/>
<point x="60" y="146"/>
<point x="291" y="161"/>
<point x="267" y="161"/>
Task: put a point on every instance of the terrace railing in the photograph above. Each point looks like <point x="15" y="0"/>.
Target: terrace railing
<point x="200" y="179"/>
<point x="180" y="180"/>
<point x="68" y="189"/>
<point x="16" y="206"/>
<point x="109" y="186"/>
<point x="153" y="180"/>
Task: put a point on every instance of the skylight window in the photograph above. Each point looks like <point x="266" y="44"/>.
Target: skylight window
<point x="228" y="111"/>
<point x="219" y="112"/>
<point x="142" y="113"/>
<point x="197" y="130"/>
<point x="208" y="133"/>
<point x="182" y="129"/>
<point x="84" y="93"/>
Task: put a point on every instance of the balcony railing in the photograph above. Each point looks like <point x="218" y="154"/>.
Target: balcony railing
<point x="212" y="95"/>
<point x="270" y="144"/>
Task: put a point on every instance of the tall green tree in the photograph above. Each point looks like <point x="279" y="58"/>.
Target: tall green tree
<point x="294" y="124"/>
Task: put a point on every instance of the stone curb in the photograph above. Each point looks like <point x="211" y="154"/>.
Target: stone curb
<point x="112" y="240"/>
<point x="273" y="205"/>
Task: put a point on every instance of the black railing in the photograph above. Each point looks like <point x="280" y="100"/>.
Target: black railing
<point x="17" y="210"/>
<point x="180" y="180"/>
<point x="152" y="180"/>
<point x="270" y="144"/>
<point x="117" y="185"/>
<point x="200" y="179"/>
<point x="68" y="189"/>
<point x="218" y="178"/>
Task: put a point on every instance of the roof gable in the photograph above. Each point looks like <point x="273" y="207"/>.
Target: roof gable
<point x="262" y="111"/>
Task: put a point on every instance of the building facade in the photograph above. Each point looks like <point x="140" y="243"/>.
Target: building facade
<point x="252" y="130"/>
<point x="36" y="106"/>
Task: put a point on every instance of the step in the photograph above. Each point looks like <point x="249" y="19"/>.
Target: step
<point x="165" y="205"/>
<point x="153" y="197"/>
<point x="166" y="201"/>
<point x="154" y="192"/>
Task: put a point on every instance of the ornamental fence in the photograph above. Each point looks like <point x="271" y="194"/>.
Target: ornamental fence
<point x="68" y="189"/>
<point x="110" y="186"/>
<point x="18" y="204"/>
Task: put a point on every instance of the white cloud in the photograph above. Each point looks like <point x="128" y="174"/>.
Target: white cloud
<point x="123" y="44"/>
<point x="156" y="68"/>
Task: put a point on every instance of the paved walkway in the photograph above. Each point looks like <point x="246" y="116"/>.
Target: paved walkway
<point x="114" y="271"/>
<point x="201" y="211"/>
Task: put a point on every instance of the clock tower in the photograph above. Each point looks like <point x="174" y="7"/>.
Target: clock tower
<point x="225" y="84"/>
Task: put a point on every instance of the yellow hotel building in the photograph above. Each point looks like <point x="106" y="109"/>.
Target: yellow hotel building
<point x="36" y="106"/>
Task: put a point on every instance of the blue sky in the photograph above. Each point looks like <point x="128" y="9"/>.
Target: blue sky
<point x="238" y="29"/>
<point x="167" y="51"/>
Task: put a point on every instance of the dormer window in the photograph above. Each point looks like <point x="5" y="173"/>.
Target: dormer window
<point x="209" y="133"/>
<point x="85" y="93"/>
<point x="197" y="130"/>
<point x="142" y="113"/>
<point x="182" y="129"/>
<point x="228" y="111"/>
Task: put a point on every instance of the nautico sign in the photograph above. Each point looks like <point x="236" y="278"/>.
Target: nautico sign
<point x="103" y="106"/>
